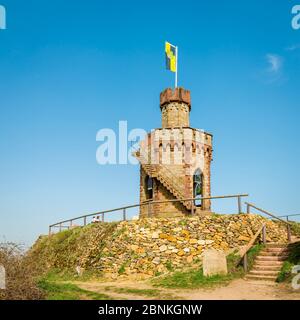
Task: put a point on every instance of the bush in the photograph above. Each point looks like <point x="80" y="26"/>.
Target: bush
<point x="295" y="226"/>
<point x="293" y="259"/>
<point x="21" y="274"/>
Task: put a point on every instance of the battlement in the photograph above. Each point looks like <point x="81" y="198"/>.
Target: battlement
<point x="177" y="95"/>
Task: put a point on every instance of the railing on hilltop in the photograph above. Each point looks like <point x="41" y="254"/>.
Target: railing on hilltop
<point x="287" y="216"/>
<point x="288" y="225"/>
<point x="61" y="224"/>
<point x="262" y="231"/>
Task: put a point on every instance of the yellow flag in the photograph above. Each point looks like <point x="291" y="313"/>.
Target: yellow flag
<point x="171" y="57"/>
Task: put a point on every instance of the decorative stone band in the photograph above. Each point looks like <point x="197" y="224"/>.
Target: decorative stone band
<point x="178" y="95"/>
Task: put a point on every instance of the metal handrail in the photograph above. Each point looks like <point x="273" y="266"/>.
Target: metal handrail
<point x="244" y="254"/>
<point x="289" y="215"/>
<point x="264" y="211"/>
<point x="123" y="209"/>
<point x="288" y="224"/>
<point x="202" y="198"/>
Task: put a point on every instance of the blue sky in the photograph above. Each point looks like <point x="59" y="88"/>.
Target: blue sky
<point x="68" y="69"/>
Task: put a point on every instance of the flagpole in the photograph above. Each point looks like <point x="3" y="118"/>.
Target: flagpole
<point x="176" y="78"/>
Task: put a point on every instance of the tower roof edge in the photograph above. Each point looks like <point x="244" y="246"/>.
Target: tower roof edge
<point x="177" y="95"/>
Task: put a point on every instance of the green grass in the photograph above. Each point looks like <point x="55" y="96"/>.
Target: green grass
<point x="169" y="265"/>
<point x="292" y="260"/>
<point x="285" y="271"/>
<point x="68" y="291"/>
<point x="192" y="279"/>
<point x="142" y="292"/>
<point x="56" y="286"/>
<point x="55" y="275"/>
<point x="122" y="268"/>
<point x="253" y="253"/>
<point x="233" y="266"/>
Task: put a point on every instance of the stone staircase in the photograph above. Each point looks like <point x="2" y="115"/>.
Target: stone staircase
<point x="269" y="262"/>
<point x="165" y="177"/>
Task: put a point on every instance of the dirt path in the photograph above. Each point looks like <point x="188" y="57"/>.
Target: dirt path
<point x="245" y="290"/>
<point x="237" y="290"/>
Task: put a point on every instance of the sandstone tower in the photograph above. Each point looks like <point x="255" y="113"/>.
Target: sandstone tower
<point x="175" y="161"/>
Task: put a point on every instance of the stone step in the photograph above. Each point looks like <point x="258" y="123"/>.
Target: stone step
<point x="268" y="263"/>
<point x="261" y="282"/>
<point x="276" y="245"/>
<point x="276" y="253"/>
<point x="260" y="277"/>
<point x="267" y="268"/>
<point x="263" y="273"/>
<point x="270" y="258"/>
<point x="276" y="249"/>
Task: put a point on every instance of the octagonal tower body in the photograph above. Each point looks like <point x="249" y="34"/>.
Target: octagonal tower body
<point x="175" y="161"/>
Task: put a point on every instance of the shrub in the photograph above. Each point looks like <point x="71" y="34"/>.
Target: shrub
<point x="21" y="274"/>
<point x="293" y="259"/>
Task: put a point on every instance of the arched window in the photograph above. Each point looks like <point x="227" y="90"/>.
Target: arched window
<point x="160" y="151"/>
<point x="149" y="187"/>
<point x="198" y="186"/>
<point x="183" y="153"/>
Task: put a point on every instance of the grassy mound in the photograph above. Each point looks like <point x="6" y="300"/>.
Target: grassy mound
<point x="148" y="247"/>
<point x="67" y="249"/>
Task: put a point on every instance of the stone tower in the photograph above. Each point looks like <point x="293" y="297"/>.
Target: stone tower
<point x="175" y="161"/>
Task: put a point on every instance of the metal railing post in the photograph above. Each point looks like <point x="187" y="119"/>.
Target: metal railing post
<point x="60" y="227"/>
<point x="192" y="207"/>
<point x="124" y="214"/>
<point x="248" y="208"/>
<point x="103" y="217"/>
<point x="49" y="230"/>
<point x="84" y="221"/>
<point x="239" y="205"/>
<point x="289" y="233"/>
<point x="264" y="235"/>
<point x="245" y="262"/>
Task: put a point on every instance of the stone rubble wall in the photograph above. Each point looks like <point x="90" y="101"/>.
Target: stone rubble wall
<point x="151" y="246"/>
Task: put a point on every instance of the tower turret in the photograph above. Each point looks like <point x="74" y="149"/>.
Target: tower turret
<point x="175" y="108"/>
